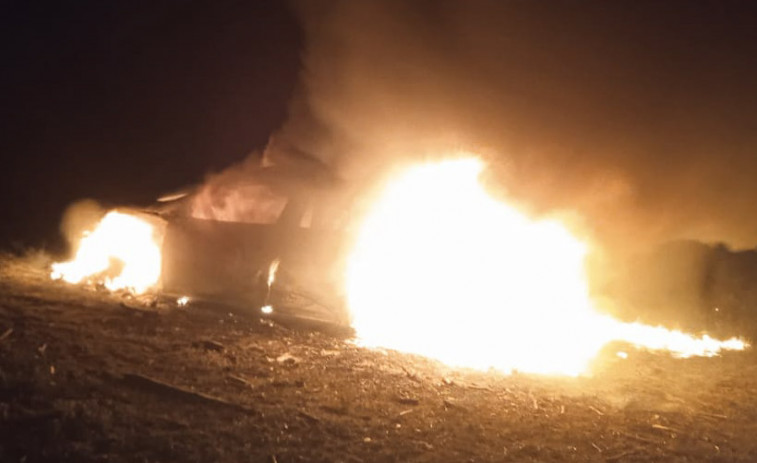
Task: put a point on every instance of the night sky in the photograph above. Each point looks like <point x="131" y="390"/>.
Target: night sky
<point x="124" y="101"/>
<point x="640" y="116"/>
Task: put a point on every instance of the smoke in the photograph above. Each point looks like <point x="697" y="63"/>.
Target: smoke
<point x="79" y="217"/>
<point x="636" y="117"/>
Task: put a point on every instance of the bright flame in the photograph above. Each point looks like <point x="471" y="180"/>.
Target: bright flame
<point x="122" y="252"/>
<point x="272" y="269"/>
<point x="442" y="269"/>
<point x="182" y="301"/>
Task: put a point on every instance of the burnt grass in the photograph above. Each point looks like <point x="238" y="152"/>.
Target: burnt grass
<point x="89" y="376"/>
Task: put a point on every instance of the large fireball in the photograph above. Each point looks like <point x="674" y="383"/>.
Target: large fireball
<point x="442" y="269"/>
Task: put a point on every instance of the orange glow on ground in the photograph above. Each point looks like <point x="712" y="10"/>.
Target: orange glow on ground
<point x="442" y="269"/>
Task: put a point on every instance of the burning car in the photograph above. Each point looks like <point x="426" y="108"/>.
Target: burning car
<point x="293" y="254"/>
<point x="281" y="245"/>
<point x="435" y="254"/>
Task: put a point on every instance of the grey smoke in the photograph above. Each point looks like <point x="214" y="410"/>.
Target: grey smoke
<point x="638" y="118"/>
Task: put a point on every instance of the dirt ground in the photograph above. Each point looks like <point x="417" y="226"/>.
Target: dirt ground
<point x="90" y="376"/>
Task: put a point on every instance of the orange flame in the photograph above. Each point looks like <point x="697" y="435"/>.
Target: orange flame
<point x="122" y="252"/>
<point x="272" y="269"/>
<point x="442" y="269"/>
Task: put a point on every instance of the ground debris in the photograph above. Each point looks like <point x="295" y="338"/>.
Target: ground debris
<point x="210" y="345"/>
<point x="411" y="375"/>
<point x="713" y="415"/>
<point x="450" y="403"/>
<point x="665" y="428"/>
<point x="288" y="358"/>
<point x="239" y="380"/>
<point x="245" y="405"/>
<point x="408" y="401"/>
<point x="170" y="390"/>
<point x="5" y="334"/>
<point x="425" y="445"/>
<point x="622" y="455"/>
<point x="643" y="439"/>
<point x="309" y="417"/>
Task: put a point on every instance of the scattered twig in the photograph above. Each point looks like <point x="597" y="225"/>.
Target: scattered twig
<point x="208" y="344"/>
<point x="596" y="447"/>
<point x="405" y="412"/>
<point x="665" y="428"/>
<point x="639" y="438"/>
<point x="673" y="398"/>
<point x="425" y="445"/>
<point x="621" y="455"/>
<point x="6" y="333"/>
<point x="408" y="401"/>
<point x="240" y="380"/>
<point x="596" y="410"/>
<point x="309" y="417"/>
<point x="713" y="415"/>
<point x="448" y="403"/>
<point x="411" y="375"/>
<point x="161" y="387"/>
<point x="479" y="387"/>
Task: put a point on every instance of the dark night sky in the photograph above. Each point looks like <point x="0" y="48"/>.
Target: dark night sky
<point x="641" y="115"/>
<point x="123" y="101"/>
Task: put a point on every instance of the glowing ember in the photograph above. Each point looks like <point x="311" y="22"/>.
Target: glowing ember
<point x="267" y="309"/>
<point x="122" y="252"/>
<point x="442" y="269"/>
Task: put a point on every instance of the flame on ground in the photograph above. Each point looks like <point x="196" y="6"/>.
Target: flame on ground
<point x="442" y="269"/>
<point x="121" y="252"/>
<point x="272" y="269"/>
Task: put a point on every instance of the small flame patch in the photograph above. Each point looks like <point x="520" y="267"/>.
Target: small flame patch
<point x="121" y="252"/>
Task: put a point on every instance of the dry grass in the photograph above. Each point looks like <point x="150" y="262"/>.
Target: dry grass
<point x="232" y="387"/>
